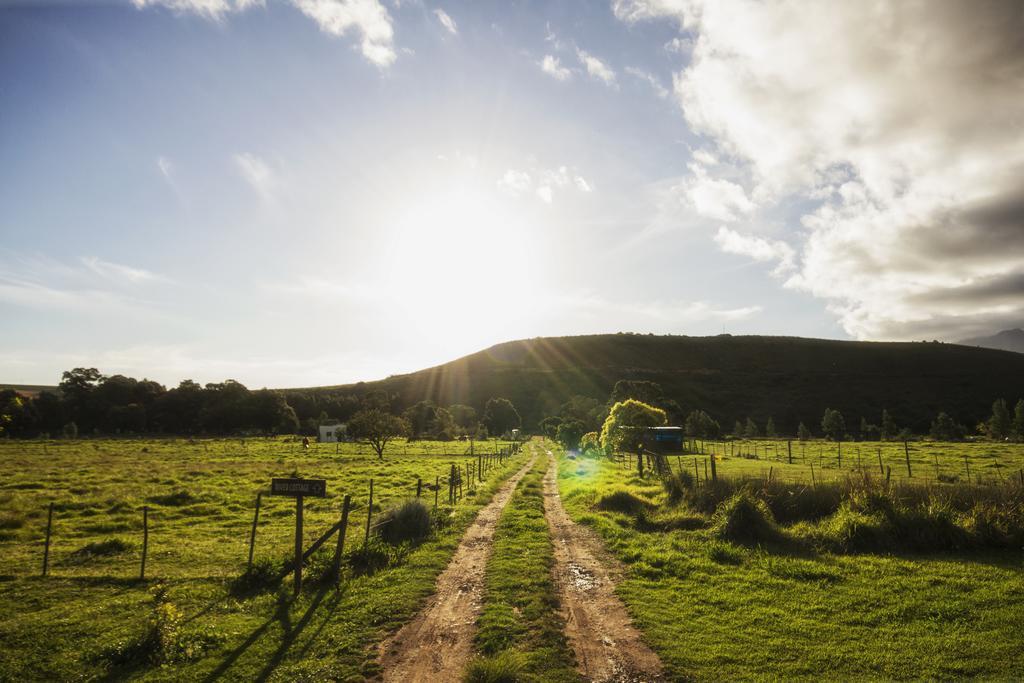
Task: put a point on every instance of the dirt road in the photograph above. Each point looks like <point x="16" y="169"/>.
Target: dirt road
<point x="607" y="645"/>
<point x="438" y="643"/>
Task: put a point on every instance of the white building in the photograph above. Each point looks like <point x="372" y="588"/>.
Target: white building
<point x="332" y="433"/>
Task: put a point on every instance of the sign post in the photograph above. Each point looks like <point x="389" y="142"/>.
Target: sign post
<point x="297" y="489"/>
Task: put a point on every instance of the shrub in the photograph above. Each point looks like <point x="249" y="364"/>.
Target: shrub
<point x="676" y="485"/>
<point x="113" y="546"/>
<point x="625" y="502"/>
<point x="408" y="523"/>
<point x="374" y="556"/>
<point x="264" y="575"/>
<point x="176" y="499"/>
<point x="164" y="641"/>
<point x="744" y="519"/>
<point x="505" y="667"/>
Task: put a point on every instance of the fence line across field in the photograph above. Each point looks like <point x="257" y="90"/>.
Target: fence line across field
<point x="474" y="472"/>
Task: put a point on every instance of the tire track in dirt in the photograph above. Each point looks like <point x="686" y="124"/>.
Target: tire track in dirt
<point x="438" y="643"/>
<point x="608" y="647"/>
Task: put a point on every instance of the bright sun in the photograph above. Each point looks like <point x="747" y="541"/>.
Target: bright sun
<point x="462" y="264"/>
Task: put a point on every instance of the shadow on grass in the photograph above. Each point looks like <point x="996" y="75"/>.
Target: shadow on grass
<point x="291" y="632"/>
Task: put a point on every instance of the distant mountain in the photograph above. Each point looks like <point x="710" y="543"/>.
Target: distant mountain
<point x="1007" y="340"/>
<point x="789" y="379"/>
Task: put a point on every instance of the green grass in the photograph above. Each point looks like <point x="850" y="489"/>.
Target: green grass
<point x="520" y="635"/>
<point x="719" y="610"/>
<point x="201" y="497"/>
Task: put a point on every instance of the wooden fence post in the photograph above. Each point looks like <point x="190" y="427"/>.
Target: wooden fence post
<point x="369" y="516"/>
<point x="298" y="546"/>
<point x="714" y="470"/>
<point x="839" y="453"/>
<point x="340" y="548"/>
<point x="888" y="475"/>
<point x="881" y="468"/>
<point x="696" y="472"/>
<point x="967" y="464"/>
<point x="252" y="536"/>
<point x="46" y="548"/>
<point x="705" y="469"/>
<point x="906" y="450"/>
<point x="789" y="450"/>
<point x="145" y="540"/>
<point x="437" y="490"/>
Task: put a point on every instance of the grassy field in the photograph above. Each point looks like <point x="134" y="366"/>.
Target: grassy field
<point x="520" y="628"/>
<point x="719" y="609"/>
<point x="930" y="461"/>
<point x="77" y="623"/>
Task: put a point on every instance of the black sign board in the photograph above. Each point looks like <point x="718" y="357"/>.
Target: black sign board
<point x="299" y="487"/>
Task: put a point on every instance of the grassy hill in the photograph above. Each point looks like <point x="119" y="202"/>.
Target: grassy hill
<point x="787" y="378"/>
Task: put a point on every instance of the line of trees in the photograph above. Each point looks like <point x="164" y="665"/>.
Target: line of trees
<point x="88" y="402"/>
<point x="583" y="415"/>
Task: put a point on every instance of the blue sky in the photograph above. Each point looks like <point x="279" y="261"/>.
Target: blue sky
<point x="323" y="191"/>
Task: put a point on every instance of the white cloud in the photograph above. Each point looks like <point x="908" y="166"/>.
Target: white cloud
<point x="551" y="67"/>
<point x="899" y="125"/>
<point x="446" y="21"/>
<point x="119" y="272"/>
<point x="716" y="198"/>
<point x="596" y="68"/>
<point x="651" y="80"/>
<point x="543" y="181"/>
<point x="166" y="168"/>
<point x="515" y="182"/>
<point x="257" y="173"/>
<point x="211" y="9"/>
<point x="757" y="248"/>
<point x="368" y="17"/>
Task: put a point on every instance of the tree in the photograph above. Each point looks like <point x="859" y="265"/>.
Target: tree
<point x="549" y="425"/>
<point x="803" y="433"/>
<point x="376" y="428"/>
<point x="590" y="442"/>
<point x="737" y="430"/>
<point x="647" y="392"/>
<point x="1018" y="421"/>
<point x="769" y="428"/>
<point x="700" y="424"/>
<point x="1000" y="424"/>
<point x="587" y="410"/>
<point x="626" y="420"/>
<point x="500" y="416"/>
<point x="945" y="429"/>
<point x="751" y="431"/>
<point x="869" y="432"/>
<point x="888" y="428"/>
<point x="833" y="425"/>
<point x="464" y="417"/>
<point x="569" y="434"/>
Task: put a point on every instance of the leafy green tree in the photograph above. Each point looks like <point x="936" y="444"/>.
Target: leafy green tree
<point x="500" y="416"/>
<point x="1000" y="425"/>
<point x="700" y="424"/>
<point x="888" y="428"/>
<point x="465" y="417"/>
<point x="549" y="425"/>
<point x="376" y="428"/>
<point x="737" y="430"/>
<point x="945" y="429"/>
<point x="569" y="434"/>
<point x="751" y="431"/>
<point x="587" y="410"/>
<point x="869" y="432"/>
<point x="1018" y="420"/>
<point x="626" y="420"/>
<point x="833" y="425"/>
<point x="647" y="392"/>
<point x="769" y="428"/>
<point x="803" y="433"/>
<point x="590" y="443"/>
